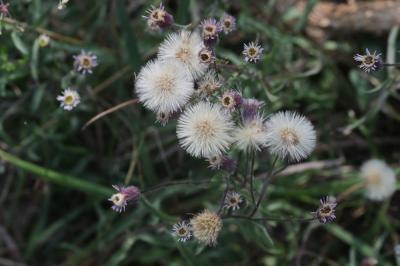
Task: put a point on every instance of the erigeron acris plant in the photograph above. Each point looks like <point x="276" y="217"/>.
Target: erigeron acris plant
<point x="214" y="122"/>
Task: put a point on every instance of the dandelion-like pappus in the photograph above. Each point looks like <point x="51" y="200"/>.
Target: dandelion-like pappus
<point x="206" y="227"/>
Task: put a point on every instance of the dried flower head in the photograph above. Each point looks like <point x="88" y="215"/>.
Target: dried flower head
<point x="185" y="47"/>
<point x="43" y="40"/>
<point x="209" y="84"/>
<point x="158" y="18"/>
<point x="380" y="180"/>
<point x="207" y="55"/>
<point x="251" y="109"/>
<point x="326" y="211"/>
<point x="231" y="100"/>
<point x="222" y="162"/>
<point x="290" y="136"/>
<point x="4" y="9"/>
<point x="163" y="117"/>
<point x="182" y="230"/>
<point x="233" y="200"/>
<point x="252" y="52"/>
<point x="123" y="197"/>
<point x="204" y="130"/>
<point x="62" y="4"/>
<point x="206" y="227"/>
<point x="210" y="30"/>
<point x="85" y="62"/>
<point x="69" y="99"/>
<point x="228" y="23"/>
<point x="251" y="135"/>
<point x="164" y="86"/>
<point x="369" y="62"/>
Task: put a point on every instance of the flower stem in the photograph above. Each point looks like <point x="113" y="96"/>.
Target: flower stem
<point x="264" y="188"/>
<point x="252" y="177"/>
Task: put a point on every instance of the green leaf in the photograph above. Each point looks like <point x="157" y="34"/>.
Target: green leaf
<point x="350" y="239"/>
<point x="128" y="36"/>
<point x="35" y="60"/>
<point x="19" y="44"/>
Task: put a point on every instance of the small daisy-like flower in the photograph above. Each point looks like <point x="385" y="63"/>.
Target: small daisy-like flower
<point x="4" y="9"/>
<point x="380" y="180"/>
<point x="233" y="200"/>
<point x="182" y="231"/>
<point x="326" y="211"/>
<point x="85" y="62"/>
<point x="231" y="100"/>
<point x="250" y="109"/>
<point x="210" y="30"/>
<point x="290" y="136"/>
<point x="164" y="86"/>
<point x="69" y="99"/>
<point x="123" y="197"/>
<point x="185" y="47"/>
<point x="158" y="18"/>
<point x="209" y="84"/>
<point x="204" y="130"/>
<point x="62" y="4"/>
<point x="228" y="23"/>
<point x="252" y="52"/>
<point x="369" y="62"/>
<point x="43" y="40"/>
<point x="207" y="55"/>
<point x="221" y="162"/>
<point x="206" y="227"/>
<point x="252" y="135"/>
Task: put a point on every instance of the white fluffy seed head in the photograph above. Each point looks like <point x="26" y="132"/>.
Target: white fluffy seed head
<point x="185" y="47"/>
<point x="290" y="136"/>
<point x="204" y="130"/>
<point x="380" y="179"/>
<point x="206" y="227"/>
<point x="251" y="135"/>
<point x="164" y="86"/>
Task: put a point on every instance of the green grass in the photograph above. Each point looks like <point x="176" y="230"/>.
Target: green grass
<point x="56" y="174"/>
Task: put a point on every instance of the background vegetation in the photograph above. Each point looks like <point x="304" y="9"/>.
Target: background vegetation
<point x="56" y="174"/>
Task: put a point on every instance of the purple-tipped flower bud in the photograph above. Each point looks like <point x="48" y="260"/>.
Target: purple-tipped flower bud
<point x="231" y="100"/>
<point x="123" y="197"/>
<point x="222" y="162"/>
<point x="228" y="23"/>
<point x="158" y="18"/>
<point x="326" y="211"/>
<point x="210" y="30"/>
<point x="4" y="9"/>
<point x="251" y="108"/>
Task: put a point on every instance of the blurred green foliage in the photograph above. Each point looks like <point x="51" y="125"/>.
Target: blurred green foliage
<point x="56" y="176"/>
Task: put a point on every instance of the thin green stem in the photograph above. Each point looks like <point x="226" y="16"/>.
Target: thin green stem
<point x="251" y="176"/>
<point x="264" y="188"/>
